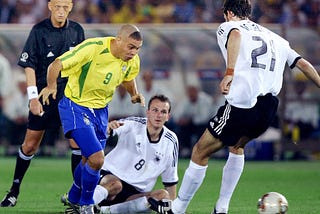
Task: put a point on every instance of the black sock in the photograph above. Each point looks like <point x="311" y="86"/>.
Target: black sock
<point x="76" y="157"/>
<point x="22" y="165"/>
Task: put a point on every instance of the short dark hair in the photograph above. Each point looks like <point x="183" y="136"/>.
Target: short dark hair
<point x="240" y="8"/>
<point x="136" y="36"/>
<point x="160" y="97"/>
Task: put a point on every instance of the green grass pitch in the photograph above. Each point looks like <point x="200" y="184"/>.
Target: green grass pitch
<point x="48" y="178"/>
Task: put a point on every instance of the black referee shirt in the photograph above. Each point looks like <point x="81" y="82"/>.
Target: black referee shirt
<point x="45" y="43"/>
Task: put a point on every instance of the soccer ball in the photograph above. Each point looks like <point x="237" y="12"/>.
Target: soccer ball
<point x="272" y="203"/>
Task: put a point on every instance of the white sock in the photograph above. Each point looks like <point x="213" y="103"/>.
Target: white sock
<point x="133" y="206"/>
<point x="232" y="171"/>
<point x="100" y="193"/>
<point x="192" y="180"/>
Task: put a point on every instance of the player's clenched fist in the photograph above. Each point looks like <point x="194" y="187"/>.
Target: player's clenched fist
<point x="138" y="98"/>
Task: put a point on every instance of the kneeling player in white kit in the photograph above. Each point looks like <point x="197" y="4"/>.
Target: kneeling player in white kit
<point x="145" y="150"/>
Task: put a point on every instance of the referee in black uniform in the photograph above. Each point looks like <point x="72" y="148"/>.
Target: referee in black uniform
<point x="47" y="40"/>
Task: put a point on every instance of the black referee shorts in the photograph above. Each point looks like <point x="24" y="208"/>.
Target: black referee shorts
<point x="231" y="123"/>
<point x="50" y="120"/>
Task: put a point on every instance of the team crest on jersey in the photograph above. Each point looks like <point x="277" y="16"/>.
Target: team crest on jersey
<point x="158" y="156"/>
<point x="24" y="57"/>
<point x="138" y="146"/>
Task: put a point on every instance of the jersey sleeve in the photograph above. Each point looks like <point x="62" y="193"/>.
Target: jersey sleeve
<point x="170" y="175"/>
<point x="293" y="57"/>
<point x="127" y="126"/>
<point x="223" y="32"/>
<point x="28" y="57"/>
<point x="73" y="60"/>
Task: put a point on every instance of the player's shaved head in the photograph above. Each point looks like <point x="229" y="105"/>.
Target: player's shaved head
<point x="130" y="31"/>
<point x="127" y="42"/>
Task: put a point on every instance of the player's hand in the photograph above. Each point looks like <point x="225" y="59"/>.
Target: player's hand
<point x="114" y="125"/>
<point x="138" y="98"/>
<point x="36" y="107"/>
<point x="45" y="93"/>
<point x="225" y="84"/>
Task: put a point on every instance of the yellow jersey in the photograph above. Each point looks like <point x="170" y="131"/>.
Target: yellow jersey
<point x="94" y="73"/>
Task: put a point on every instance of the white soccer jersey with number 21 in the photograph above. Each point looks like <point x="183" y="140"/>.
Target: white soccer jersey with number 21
<point x="137" y="161"/>
<point x="260" y="63"/>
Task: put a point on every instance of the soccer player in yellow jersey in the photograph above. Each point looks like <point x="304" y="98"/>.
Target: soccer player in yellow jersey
<point x="94" y="69"/>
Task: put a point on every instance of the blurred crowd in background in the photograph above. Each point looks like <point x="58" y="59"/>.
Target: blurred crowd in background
<point x="288" y="12"/>
<point x="300" y="119"/>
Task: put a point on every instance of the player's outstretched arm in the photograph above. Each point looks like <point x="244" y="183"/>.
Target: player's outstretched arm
<point x="53" y="72"/>
<point x="114" y="125"/>
<point x="136" y="97"/>
<point x="308" y="70"/>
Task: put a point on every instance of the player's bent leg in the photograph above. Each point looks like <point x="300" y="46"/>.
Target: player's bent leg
<point x="89" y="180"/>
<point x="204" y="148"/>
<point x="137" y="205"/>
<point x="32" y="141"/>
<point x="109" y="187"/>
<point x="159" y="194"/>
<point x="195" y="173"/>
<point x="96" y="160"/>
<point x="230" y="177"/>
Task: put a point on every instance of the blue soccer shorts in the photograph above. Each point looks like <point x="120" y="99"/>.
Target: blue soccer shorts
<point x="85" y="125"/>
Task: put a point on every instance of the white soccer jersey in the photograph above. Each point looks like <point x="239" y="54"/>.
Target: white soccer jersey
<point x="260" y="64"/>
<point x="137" y="161"/>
